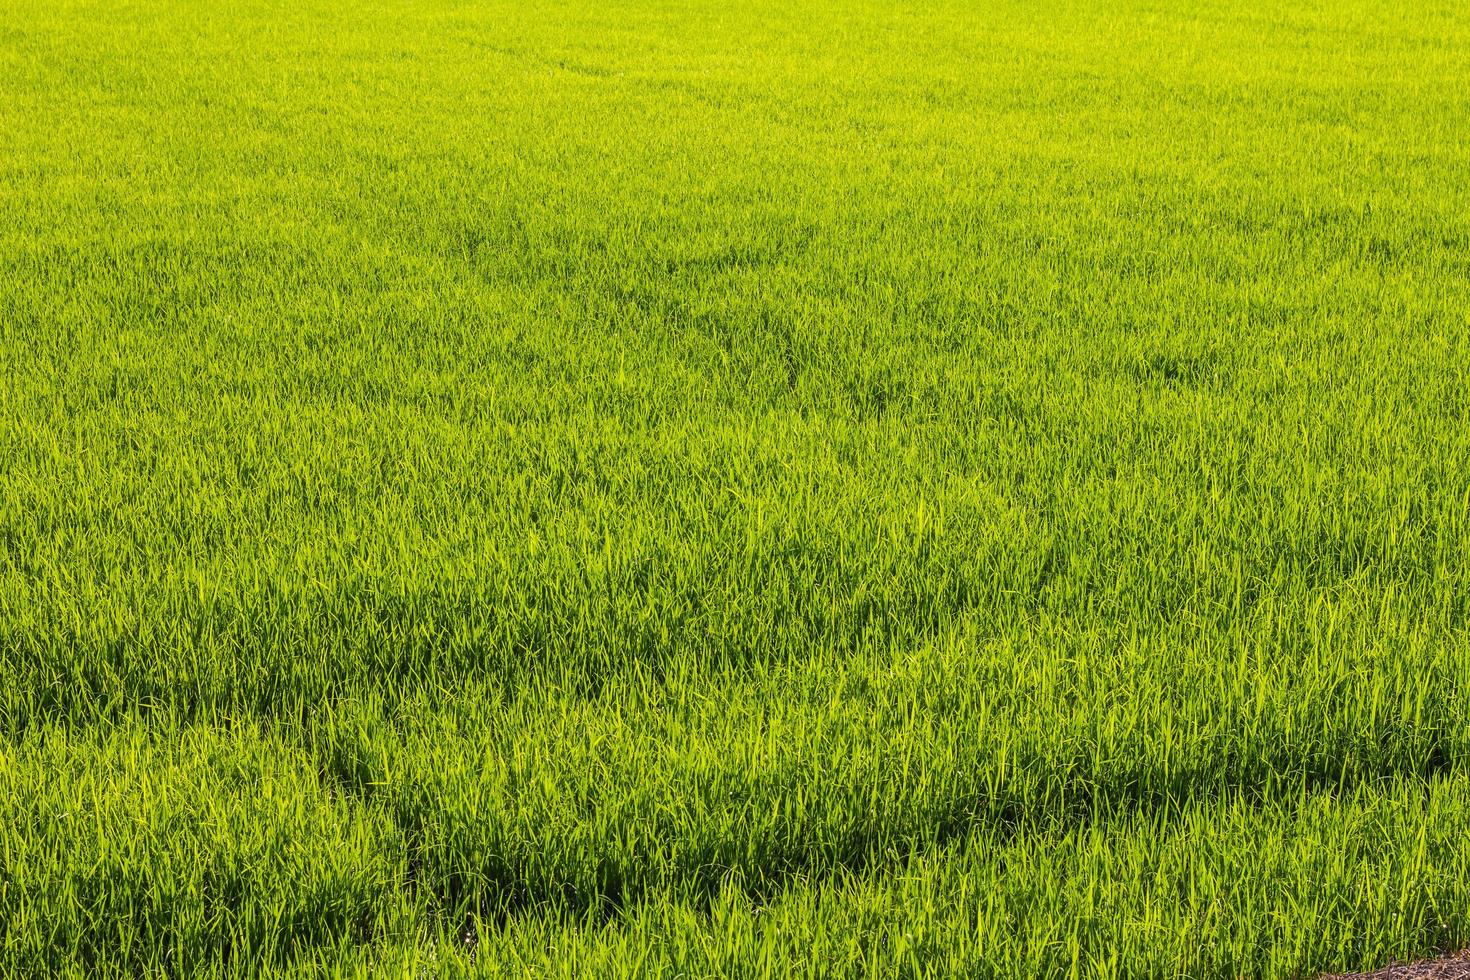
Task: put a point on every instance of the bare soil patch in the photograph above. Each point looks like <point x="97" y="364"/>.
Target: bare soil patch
<point x="1456" y="966"/>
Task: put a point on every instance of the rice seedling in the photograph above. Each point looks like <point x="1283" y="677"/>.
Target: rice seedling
<point x="678" y="490"/>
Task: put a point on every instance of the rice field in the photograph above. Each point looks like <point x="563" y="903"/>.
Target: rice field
<point x="665" y="488"/>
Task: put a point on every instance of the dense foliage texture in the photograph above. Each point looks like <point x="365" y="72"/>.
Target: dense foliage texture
<point x="623" y="487"/>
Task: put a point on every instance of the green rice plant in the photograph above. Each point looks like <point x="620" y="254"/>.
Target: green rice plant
<point x="678" y="489"/>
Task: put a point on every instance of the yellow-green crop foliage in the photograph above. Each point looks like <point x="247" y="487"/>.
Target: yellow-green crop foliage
<point x="777" y="488"/>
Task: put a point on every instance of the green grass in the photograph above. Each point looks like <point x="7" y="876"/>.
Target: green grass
<point x="680" y="488"/>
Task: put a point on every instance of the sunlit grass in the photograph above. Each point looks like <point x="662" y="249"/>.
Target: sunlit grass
<point x="669" y="489"/>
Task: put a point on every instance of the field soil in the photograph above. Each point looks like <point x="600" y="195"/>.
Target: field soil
<point x="1453" y="967"/>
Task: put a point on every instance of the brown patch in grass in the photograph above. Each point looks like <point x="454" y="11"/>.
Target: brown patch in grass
<point x="1456" y="966"/>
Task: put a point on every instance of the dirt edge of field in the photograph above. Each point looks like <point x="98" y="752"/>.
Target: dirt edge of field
<point x="1453" y="966"/>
